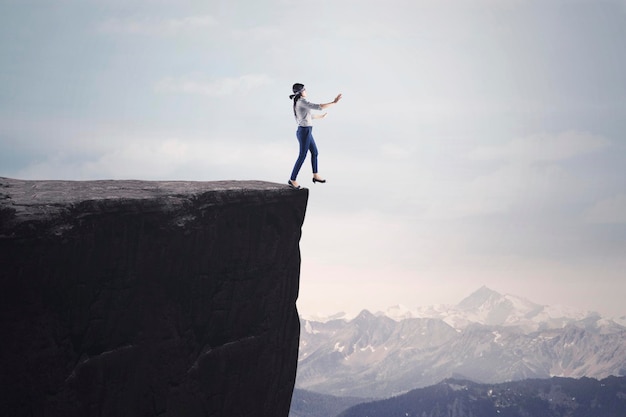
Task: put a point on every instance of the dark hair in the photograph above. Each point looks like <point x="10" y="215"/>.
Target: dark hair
<point x="297" y="89"/>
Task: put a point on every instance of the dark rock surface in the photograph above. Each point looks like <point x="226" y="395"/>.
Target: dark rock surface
<point x="135" y="298"/>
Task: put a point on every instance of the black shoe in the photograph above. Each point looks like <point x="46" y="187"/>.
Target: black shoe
<point x="316" y="180"/>
<point x="293" y="186"/>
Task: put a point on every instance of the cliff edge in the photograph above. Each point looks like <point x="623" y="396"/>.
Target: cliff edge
<point x="137" y="298"/>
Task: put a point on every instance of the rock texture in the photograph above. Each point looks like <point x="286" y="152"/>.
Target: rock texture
<point x="131" y="298"/>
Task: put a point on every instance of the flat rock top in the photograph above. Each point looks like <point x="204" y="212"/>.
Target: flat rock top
<point x="53" y="192"/>
<point x="25" y="200"/>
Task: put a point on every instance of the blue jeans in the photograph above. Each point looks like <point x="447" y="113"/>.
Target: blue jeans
<point x="307" y="143"/>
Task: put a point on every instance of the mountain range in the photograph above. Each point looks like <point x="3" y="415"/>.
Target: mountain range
<point x="554" y="397"/>
<point x="487" y="337"/>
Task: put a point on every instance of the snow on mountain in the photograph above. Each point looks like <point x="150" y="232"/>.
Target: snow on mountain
<point x="397" y="312"/>
<point x="484" y="306"/>
<point x="321" y="318"/>
<point x="620" y="320"/>
<point x="487" y="337"/>
<point x="489" y="307"/>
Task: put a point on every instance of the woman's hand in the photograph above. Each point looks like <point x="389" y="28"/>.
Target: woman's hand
<point x="323" y="106"/>
<point x="319" y="116"/>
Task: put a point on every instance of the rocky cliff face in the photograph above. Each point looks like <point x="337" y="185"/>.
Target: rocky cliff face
<point x="130" y="298"/>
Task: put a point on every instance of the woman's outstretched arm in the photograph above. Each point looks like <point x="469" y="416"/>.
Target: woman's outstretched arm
<point x="325" y="105"/>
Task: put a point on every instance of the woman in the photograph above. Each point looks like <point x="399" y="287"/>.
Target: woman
<point x="302" y="111"/>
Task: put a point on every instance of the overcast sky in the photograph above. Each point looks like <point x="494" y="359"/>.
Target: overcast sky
<point x="479" y="142"/>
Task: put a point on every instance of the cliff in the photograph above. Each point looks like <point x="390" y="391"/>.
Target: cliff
<point x="131" y="298"/>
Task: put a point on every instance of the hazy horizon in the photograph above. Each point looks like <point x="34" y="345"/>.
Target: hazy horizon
<point x="390" y="310"/>
<point x="478" y="142"/>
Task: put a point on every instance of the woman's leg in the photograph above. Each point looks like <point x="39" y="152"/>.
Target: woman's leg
<point x="314" y="153"/>
<point x="304" y="136"/>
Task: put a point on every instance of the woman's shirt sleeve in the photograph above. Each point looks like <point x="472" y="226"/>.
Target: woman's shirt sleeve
<point x="307" y="104"/>
<point x="303" y="112"/>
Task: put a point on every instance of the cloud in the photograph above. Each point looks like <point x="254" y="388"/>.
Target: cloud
<point x="157" y="27"/>
<point x="396" y="152"/>
<point x="149" y="155"/>
<point x="215" y="87"/>
<point x="622" y="4"/>
<point x="608" y="211"/>
<point x="330" y="238"/>
<point x="543" y="147"/>
<point x="527" y="175"/>
<point x="372" y="30"/>
<point x="497" y="192"/>
<point x="259" y="34"/>
<point x="121" y="158"/>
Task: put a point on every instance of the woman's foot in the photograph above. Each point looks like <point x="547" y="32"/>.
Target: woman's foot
<point x="293" y="184"/>
<point x="317" y="178"/>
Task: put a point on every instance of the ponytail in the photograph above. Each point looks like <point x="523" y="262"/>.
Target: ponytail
<point x="295" y="98"/>
<point x="297" y="94"/>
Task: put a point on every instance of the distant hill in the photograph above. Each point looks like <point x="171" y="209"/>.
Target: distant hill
<point x="555" y="397"/>
<point x="311" y="404"/>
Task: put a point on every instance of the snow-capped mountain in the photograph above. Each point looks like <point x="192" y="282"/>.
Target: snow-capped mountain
<point x="489" y="307"/>
<point x="487" y="337"/>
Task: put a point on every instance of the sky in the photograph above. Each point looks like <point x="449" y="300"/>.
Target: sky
<point x="478" y="142"/>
